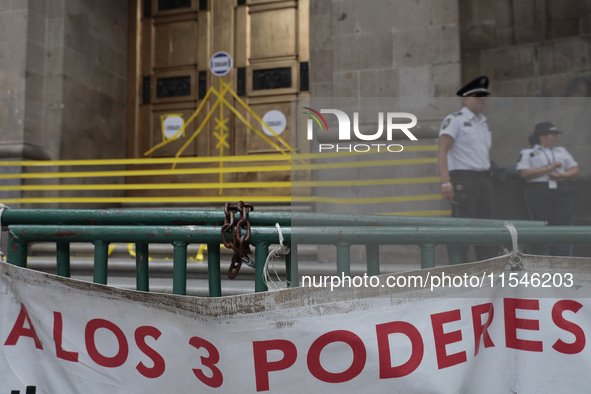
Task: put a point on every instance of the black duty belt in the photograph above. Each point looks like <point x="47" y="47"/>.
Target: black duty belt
<point x="470" y="174"/>
<point x="542" y="185"/>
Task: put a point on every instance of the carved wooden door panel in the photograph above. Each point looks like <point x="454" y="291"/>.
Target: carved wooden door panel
<point x="171" y="42"/>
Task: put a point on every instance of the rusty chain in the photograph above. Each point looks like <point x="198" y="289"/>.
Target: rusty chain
<point x="239" y="243"/>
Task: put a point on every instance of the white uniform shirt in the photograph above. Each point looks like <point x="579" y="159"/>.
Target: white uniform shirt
<point x="472" y="141"/>
<point x="538" y="157"/>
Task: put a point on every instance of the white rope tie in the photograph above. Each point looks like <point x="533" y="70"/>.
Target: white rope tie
<point x="282" y="250"/>
<point x="514" y="260"/>
<point x="2" y="209"/>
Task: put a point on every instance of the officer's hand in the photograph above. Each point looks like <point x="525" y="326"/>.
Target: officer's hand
<point x="555" y="165"/>
<point x="555" y="175"/>
<point x="447" y="192"/>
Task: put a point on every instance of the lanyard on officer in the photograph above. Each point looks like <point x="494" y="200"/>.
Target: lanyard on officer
<point x="553" y="157"/>
<point x="551" y="183"/>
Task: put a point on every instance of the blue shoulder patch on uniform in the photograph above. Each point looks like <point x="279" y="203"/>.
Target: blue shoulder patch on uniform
<point x="457" y="113"/>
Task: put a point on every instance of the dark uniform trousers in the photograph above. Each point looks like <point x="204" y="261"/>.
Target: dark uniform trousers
<point x="474" y="198"/>
<point x="554" y="206"/>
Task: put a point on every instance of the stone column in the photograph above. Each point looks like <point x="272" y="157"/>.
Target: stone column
<point x="63" y="83"/>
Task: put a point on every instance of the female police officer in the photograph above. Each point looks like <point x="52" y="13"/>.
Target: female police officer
<point x="545" y="166"/>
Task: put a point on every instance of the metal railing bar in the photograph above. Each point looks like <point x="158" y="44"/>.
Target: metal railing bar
<point x="142" y="266"/>
<point x="454" y="254"/>
<point x="312" y="235"/>
<point x="17" y="251"/>
<point x="63" y="258"/>
<point x="128" y="217"/>
<point x="179" y="269"/>
<point x="202" y="217"/>
<point x="101" y="257"/>
<point x="427" y="237"/>
<point x="213" y="269"/>
<point x="427" y="255"/>
<point x="343" y="258"/>
<point x="372" y="256"/>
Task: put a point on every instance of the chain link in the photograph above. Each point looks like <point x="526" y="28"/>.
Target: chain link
<point x="239" y="243"/>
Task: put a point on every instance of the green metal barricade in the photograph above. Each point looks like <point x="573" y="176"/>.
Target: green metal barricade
<point x="183" y="227"/>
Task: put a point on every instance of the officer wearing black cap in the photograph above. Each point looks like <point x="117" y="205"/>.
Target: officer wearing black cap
<point x="545" y="166"/>
<point x="464" y="163"/>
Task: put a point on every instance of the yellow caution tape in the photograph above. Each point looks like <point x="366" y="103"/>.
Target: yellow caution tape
<point x="367" y="182"/>
<point x="96" y="200"/>
<point x="149" y="186"/>
<point x="367" y="200"/>
<point x="188" y="122"/>
<point x="199" y="256"/>
<point x="192" y="171"/>
<point x="188" y="171"/>
<point x="255" y="130"/>
<point x="254" y="115"/>
<point x="196" y="133"/>
<point x="211" y="159"/>
<point x="231" y="185"/>
<point x="159" y="160"/>
<point x="358" y="164"/>
<point x="131" y="249"/>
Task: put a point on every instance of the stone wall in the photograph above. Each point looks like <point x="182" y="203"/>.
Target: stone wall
<point x="21" y="50"/>
<point x="94" y="79"/>
<point x="556" y="77"/>
<point x="556" y="68"/>
<point x="507" y="25"/>
<point x="381" y="48"/>
<point x="22" y="54"/>
<point x="94" y="87"/>
<point x="63" y="82"/>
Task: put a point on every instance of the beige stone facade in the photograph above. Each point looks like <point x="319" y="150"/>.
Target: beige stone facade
<point x="382" y="48"/>
<point x="63" y="80"/>
<point x="64" y="63"/>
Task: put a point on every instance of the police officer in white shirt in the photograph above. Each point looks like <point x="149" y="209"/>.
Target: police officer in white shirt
<point x="464" y="163"/>
<point x="545" y="166"/>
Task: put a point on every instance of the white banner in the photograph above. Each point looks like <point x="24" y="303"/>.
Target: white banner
<point x="441" y="331"/>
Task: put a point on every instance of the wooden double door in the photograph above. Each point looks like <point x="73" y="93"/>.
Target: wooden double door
<point x="171" y="42"/>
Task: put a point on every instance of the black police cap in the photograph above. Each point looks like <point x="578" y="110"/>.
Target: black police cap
<point x="478" y="85"/>
<point x="542" y="129"/>
<point x="546" y="128"/>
